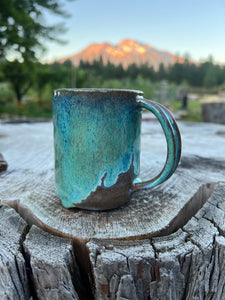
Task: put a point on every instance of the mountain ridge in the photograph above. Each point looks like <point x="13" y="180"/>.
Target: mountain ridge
<point x="125" y="52"/>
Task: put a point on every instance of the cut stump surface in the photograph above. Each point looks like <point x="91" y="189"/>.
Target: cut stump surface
<point x="166" y="243"/>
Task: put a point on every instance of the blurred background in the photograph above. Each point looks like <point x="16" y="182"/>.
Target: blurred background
<point x="174" y="51"/>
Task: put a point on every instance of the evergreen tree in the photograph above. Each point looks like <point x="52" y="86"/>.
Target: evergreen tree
<point x="161" y="74"/>
<point x="20" y="75"/>
<point x="22" y="28"/>
<point x="210" y="77"/>
<point x="22" y="31"/>
<point x="132" y="71"/>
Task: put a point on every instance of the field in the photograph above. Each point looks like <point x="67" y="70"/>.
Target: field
<point x="30" y="107"/>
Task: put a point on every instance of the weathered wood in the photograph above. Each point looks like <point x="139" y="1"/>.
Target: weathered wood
<point x="122" y="267"/>
<point x="13" y="275"/>
<point x="28" y="185"/>
<point x="213" y="112"/>
<point x="188" y="264"/>
<point x="54" y="270"/>
<point x="167" y="243"/>
<point x="36" y="264"/>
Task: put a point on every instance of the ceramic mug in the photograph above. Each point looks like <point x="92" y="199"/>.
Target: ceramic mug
<point x="97" y="146"/>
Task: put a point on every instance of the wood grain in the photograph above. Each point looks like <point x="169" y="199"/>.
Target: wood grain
<point x="13" y="275"/>
<point x="54" y="270"/>
<point x="28" y="185"/>
<point x="167" y="243"/>
<point x="188" y="264"/>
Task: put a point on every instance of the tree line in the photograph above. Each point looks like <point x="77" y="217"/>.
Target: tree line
<point x="207" y="74"/>
<point x="23" y="32"/>
<point x="26" y="75"/>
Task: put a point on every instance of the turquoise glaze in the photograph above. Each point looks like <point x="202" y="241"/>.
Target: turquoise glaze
<point x="173" y="140"/>
<point x="97" y="146"/>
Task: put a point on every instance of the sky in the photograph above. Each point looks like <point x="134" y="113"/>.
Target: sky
<point x="196" y="27"/>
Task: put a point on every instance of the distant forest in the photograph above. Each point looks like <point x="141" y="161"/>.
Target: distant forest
<point x="207" y="74"/>
<point x="26" y="80"/>
<point x="37" y="81"/>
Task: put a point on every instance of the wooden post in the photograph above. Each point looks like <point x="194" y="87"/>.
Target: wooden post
<point x="213" y="112"/>
<point x="166" y="243"/>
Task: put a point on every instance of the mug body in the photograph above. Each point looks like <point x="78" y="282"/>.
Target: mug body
<point x="97" y="146"/>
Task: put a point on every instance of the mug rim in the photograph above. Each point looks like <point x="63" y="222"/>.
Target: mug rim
<point x="97" y="90"/>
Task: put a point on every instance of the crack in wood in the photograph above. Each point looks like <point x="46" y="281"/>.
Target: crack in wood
<point x="27" y="264"/>
<point x="30" y="277"/>
<point x="86" y="288"/>
<point x="187" y="273"/>
<point x="221" y="232"/>
<point x="53" y="266"/>
<point x="13" y="276"/>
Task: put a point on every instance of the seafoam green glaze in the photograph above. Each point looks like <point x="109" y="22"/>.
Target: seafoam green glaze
<point x="97" y="146"/>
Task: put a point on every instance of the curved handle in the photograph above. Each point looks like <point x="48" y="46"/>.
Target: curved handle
<point x="173" y="140"/>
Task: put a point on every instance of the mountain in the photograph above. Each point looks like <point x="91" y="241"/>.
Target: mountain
<point x="126" y="52"/>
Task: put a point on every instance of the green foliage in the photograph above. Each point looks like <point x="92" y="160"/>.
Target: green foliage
<point x="22" y="32"/>
<point x="22" y="27"/>
<point x="42" y="76"/>
<point x="210" y="78"/>
<point x="37" y="81"/>
<point x="20" y="75"/>
<point x="162" y="72"/>
<point x="6" y="93"/>
<point x="206" y="74"/>
<point x="136" y="84"/>
<point x="28" y="109"/>
<point x="193" y="112"/>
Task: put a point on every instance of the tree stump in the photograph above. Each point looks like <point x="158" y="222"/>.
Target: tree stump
<point x="213" y="112"/>
<point x="166" y="243"/>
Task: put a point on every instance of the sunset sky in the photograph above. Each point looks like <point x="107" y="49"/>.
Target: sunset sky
<point x="196" y="27"/>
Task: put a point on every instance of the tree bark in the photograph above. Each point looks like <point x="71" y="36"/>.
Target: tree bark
<point x="187" y="264"/>
<point x="53" y="266"/>
<point x="13" y="275"/>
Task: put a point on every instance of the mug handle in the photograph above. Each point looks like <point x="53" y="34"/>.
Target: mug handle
<point x="173" y="140"/>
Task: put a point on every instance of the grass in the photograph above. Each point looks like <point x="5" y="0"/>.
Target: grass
<point x="44" y="110"/>
<point x="29" y="109"/>
<point x="191" y="114"/>
<point x="33" y="109"/>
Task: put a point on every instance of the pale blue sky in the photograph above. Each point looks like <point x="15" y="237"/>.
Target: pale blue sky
<point x="196" y="27"/>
